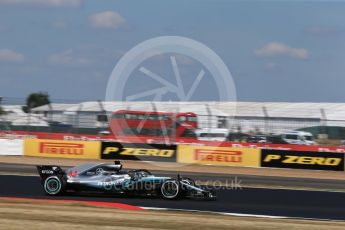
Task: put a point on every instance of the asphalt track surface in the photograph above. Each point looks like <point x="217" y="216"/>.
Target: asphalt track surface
<point x="272" y="202"/>
<point x="246" y="180"/>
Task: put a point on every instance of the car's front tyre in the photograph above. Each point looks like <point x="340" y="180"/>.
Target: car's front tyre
<point x="54" y="185"/>
<point x="171" y="189"/>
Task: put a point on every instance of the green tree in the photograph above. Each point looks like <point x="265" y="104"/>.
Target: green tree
<point x="2" y="112"/>
<point x="36" y="99"/>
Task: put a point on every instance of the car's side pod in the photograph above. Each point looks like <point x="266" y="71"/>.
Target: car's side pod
<point x="48" y="170"/>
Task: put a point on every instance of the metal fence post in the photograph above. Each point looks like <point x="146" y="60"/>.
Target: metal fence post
<point x="209" y="119"/>
<point x="323" y="122"/>
<point x="50" y="117"/>
<point x="264" y="110"/>
<point x="103" y="112"/>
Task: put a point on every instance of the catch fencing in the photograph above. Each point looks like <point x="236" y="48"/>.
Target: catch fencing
<point x="324" y="121"/>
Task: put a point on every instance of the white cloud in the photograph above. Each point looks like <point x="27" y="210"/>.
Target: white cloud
<point x="85" y="55"/>
<point x="50" y="3"/>
<point x="10" y="56"/>
<point x="69" y="57"/>
<point x="107" y="19"/>
<point x="278" y="49"/>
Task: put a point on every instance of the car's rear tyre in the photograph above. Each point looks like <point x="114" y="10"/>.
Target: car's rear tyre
<point x="54" y="185"/>
<point x="171" y="189"/>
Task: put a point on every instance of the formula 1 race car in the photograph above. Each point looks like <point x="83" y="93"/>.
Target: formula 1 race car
<point x="111" y="179"/>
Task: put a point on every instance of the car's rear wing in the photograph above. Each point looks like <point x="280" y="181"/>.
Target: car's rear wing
<point x="49" y="170"/>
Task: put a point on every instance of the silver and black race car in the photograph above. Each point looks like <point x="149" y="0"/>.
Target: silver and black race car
<point x="111" y="179"/>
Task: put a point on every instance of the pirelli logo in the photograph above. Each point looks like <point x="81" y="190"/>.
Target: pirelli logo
<point x="61" y="148"/>
<point x="218" y="155"/>
<point x="303" y="160"/>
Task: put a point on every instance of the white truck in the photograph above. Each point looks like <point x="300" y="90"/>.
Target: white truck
<point x="212" y="134"/>
<point x="298" y="138"/>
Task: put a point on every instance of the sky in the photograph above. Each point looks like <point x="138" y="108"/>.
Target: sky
<point x="279" y="51"/>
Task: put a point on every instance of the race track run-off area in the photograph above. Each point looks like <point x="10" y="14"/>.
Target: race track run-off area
<point x="250" y="201"/>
